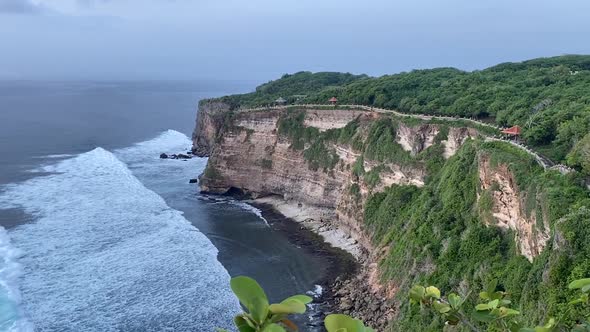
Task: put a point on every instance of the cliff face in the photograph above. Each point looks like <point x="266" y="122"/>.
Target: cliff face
<point x="252" y="157"/>
<point x="508" y="208"/>
<point x="249" y="154"/>
<point x="209" y="124"/>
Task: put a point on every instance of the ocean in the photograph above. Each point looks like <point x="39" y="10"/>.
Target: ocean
<point x="100" y="234"/>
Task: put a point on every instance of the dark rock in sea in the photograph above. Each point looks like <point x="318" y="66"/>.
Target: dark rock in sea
<point x="193" y="180"/>
<point x="183" y="156"/>
<point x="163" y="156"/>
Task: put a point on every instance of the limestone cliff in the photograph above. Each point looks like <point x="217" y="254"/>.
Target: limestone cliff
<point x="508" y="208"/>
<point x="251" y="153"/>
<point x="250" y="156"/>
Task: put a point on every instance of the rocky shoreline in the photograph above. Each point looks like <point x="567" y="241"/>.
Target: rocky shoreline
<point x="342" y="265"/>
<point x="349" y="286"/>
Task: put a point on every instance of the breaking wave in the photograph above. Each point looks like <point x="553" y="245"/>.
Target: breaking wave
<point x="107" y="254"/>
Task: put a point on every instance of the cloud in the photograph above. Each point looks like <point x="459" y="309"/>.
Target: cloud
<point x="18" y="7"/>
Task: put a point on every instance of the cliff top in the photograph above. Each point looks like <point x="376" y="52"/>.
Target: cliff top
<point x="547" y="97"/>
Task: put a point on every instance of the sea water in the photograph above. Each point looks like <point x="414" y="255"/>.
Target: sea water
<point x="107" y="254"/>
<point x="100" y="234"/>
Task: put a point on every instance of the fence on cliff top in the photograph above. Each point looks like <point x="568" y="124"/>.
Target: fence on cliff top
<point x="543" y="161"/>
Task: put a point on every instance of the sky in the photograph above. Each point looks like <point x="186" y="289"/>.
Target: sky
<point x="259" y="40"/>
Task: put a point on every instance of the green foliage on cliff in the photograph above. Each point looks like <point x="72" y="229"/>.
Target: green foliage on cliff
<point x="495" y="313"/>
<point x="293" y="88"/>
<point x="266" y="163"/>
<point x="381" y="144"/>
<point x="314" y="143"/>
<point x="373" y="177"/>
<point x="436" y="235"/>
<point x="291" y="125"/>
<point x="579" y="157"/>
<point x="211" y="172"/>
<point x="547" y="97"/>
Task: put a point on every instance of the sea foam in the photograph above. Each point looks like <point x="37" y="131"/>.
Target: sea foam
<point x="107" y="254"/>
<point x="11" y="316"/>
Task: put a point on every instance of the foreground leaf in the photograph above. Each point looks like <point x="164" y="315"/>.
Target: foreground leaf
<point x="432" y="292"/>
<point x="301" y="298"/>
<point x="252" y="296"/>
<point x="455" y="300"/>
<point x="580" y="283"/>
<point x="289" y="306"/>
<point x="417" y="293"/>
<point x="441" y="307"/>
<point x="343" y="323"/>
<point x="274" y="328"/>
<point x="243" y="325"/>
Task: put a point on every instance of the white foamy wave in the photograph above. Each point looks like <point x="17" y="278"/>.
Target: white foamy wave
<point x="170" y="141"/>
<point x="236" y="203"/>
<point x="11" y="316"/>
<point x="107" y="254"/>
<point x="316" y="292"/>
<point x="140" y="158"/>
<point x="250" y="208"/>
<point x="56" y="156"/>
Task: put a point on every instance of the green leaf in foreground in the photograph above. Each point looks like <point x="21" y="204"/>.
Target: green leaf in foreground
<point x="579" y="284"/>
<point x="274" y="328"/>
<point x="242" y="324"/>
<point x="252" y="296"/>
<point x="289" y="306"/>
<point x="343" y="323"/>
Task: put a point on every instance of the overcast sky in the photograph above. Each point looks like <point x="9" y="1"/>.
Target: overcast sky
<point x="262" y="39"/>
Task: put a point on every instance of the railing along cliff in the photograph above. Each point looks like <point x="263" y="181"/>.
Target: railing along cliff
<point x="544" y="162"/>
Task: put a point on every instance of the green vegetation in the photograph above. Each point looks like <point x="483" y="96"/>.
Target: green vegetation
<point x="440" y="233"/>
<point x="260" y="316"/>
<point x="266" y="163"/>
<point x="355" y="191"/>
<point x="579" y="157"/>
<point x="379" y="145"/>
<point x="436" y="234"/>
<point x="495" y="313"/>
<point x="291" y="125"/>
<point x="547" y="97"/>
<point x="316" y="150"/>
<point x="372" y="177"/>
<point x="211" y="172"/>
<point x="293" y="88"/>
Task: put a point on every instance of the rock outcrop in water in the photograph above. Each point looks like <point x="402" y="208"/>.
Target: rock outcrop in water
<point x="248" y="154"/>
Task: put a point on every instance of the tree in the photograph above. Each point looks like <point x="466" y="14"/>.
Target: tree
<point x="580" y="155"/>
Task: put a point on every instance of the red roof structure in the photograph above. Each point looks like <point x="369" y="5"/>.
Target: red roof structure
<point x="333" y="100"/>
<point x="514" y="131"/>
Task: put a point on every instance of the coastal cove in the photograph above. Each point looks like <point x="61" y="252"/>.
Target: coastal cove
<point x="137" y="230"/>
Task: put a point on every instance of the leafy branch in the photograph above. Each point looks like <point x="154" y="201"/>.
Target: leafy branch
<point x="494" y="309"/>
<point x="260" y="316"/>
